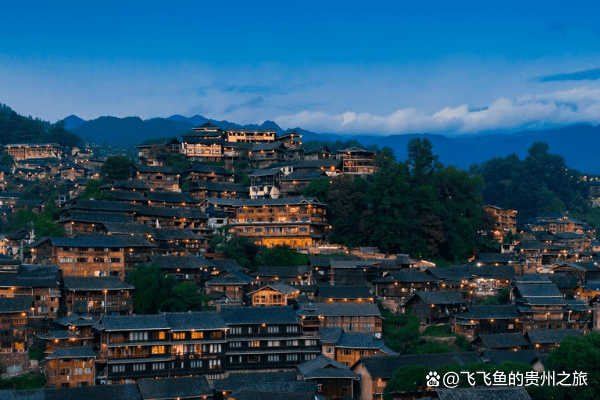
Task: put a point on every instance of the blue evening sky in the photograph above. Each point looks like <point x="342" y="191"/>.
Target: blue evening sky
<point x="349" y="67"/>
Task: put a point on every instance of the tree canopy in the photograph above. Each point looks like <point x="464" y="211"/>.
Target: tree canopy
<point x="117" y="167"/>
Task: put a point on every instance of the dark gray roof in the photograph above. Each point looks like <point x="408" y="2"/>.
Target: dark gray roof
<point x="407" y="277"/>
<point x="76" y="320"/>
<point x="495" y="357"/>
<point x="112" y="392"/>
<point x="330" y="335"/>
<point x="303" y="176"/>
<point x="538" y="290"/>
<point x="60" y="334"/>
<point x="502" y="340"/>
<point x="171" y="197"/>
<point x="231" y="278"/>
<point x="550" y="336"/>
<point x="502" y="272"/>
<point x="279" y="287"/>
<point x="341" y="309"/>
<point x="563" y="281"/>
<point x="263" y="202"/>
<point x="345" y="292"/>
<point x="15" y="304"/>
<point x="485" y="393"/>
<point x="123" y="184"/>
<point x="10" y="394"/>
<point x="384" y="366"/>
<point x="205" y="320"/>
<point x="228" y="265"/>
<point x="176" y="234"/>
<point x="489" y="312"/>
<point x="237" y="380"/>
<point x="163" y="169"/>
<point x="362" y="341"/>
<point x="134" y="322"/>
<point x="452" y="274"/>
<point x="258" y="315"/>
<point x="183" y="262"/>
<point x="96" y="241"/>
<point x="208" y="169"/>
<point x="127" y="228"/>
<point x="218" y="187"/>
<point x="441" y="297"/>
<point x="321" y="262"/>
<point x="281" y="272"/>
<point x="544" y="301"/>
<point x="94" y="216"/>
<point x="159" y="142"/>
<point x="31" y="276"/>
<point x="493" y="258"/>
<point x="95" y="283"/>
<point x="73" y="352"/>
<point x="174" y="388"/>
<point x="323" y="367"/>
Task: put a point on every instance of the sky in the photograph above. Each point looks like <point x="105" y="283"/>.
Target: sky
<point x="326" y="66"/>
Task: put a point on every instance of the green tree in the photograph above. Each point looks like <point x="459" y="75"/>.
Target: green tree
<point x="421" y="160"/>
<point x="407" y="379"/>
<point x="6" y="160"/>
<point x="184" y="296"/>
<point x="238" y="248"/>
<point x="152" y="288"/>
<point x="281" y="256"/>
<point x="318" y="188"/>
<point x="180" y="162"/>
<point x="117" y="167"/>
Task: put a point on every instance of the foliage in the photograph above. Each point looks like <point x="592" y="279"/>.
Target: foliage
<point x="462" y="343"/>
<point x="157" y="292"/>
<point x="409" y="378"/>
<point x="438" y="330"/>
<point x="15" y="128"/>
<point x="43" y="224"/>
<point x="117" y="167"/>
<point x="417" y="207"/>
<point x="502" y="298"/>
<point x="181" y="162"/>
<point x="92" y="190"/>
<point x="339" y="145"/>
<point x="30" y="381"/>
<point x="281" y="256"/>
<point x="318" y="188"/>
<point x="235" y="247"/>
<point x="541" y="182"/>
<point x="35" y="354"/>
<point x="6" y="160"/>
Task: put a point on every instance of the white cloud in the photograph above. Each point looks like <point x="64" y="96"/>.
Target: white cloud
<point x="578" y="105"/>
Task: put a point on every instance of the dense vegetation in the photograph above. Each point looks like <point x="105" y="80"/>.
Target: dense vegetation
<point x="15" y="128"/>
<point x="417" y="207"/>
<point x="156" y="292"/>
<point x="541" y="182"/>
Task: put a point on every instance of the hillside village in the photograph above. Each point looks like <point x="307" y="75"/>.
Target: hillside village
<point x="328" y="327"/>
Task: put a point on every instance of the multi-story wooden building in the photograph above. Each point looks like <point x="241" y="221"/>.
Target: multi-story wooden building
<point x="96" y="296"/>
<point x="71" y="367"/>
<point x="266" y="338"/>
<point x="357" y="161"/>
<point x="273" y="294"/>
<point x="243" y="135"/>
<point x="14" y="328"/>
<point x="351" y="317"/>
<point x="40" y="283"/>
<point x="158" y="346"/>
<point x="102" y="255"/>
<point x="24" y="151"/>
<point x="160" y="178"/>
<point x="295" y="222"/>
<point x="504" y="221"/>
<point x="156" y="151"/>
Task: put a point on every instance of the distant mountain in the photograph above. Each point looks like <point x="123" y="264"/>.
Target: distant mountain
<point x="577" y="143"/>
<point x="72" y="122"/>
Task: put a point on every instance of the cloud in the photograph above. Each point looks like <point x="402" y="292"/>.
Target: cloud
<point x="590" y="74"/>
<point x="579" y="105"/>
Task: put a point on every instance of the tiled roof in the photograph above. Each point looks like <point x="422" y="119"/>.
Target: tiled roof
<point x="330" y="335"/>
<point x="538" y="290"/>
<point x="485" y="393"/>
<point x="453" y="274"/>
<point x="258" y="315"/>
<point x="174" y="388"/>
<point x="208" y="169"/>
<point x="94" y="216"/>
<point x="15" y="304"/>
<point x="345" y="292"/>
<point x="231" y="278"/>
<point x="73" y="352"/>
<point x="163" y="169"/>
<point x="206" y="320"/>
<point x="31" y="276"/>
<point x="279" y="287"/>
<point x="503" y="340"/>
<point x="303" y="176"/>
<point x="94" y="283"/>
<point x="96" y="241"/>
<point x="281" y="272"/>
<point x="159" y="142"/>
<point x="171" y="197"/>
<point x="127" y="228"/>
<point x="134" y="322"/>
<point x="323" y="367"/>
<point x="489" y="312"/>
<point x="112" y="392"/>
<point x="384" y="366"/>
<point x="495" y="357"/>
<point x="359" y="341"/>
<point x="341" y="309"/>
<point x="217" y="187"/>
<point x="550" y="336"/>
<point x="441" y="298"/>
<point x="184" y="262"/>
<point x="175" y="234"/>
<point x="407" y="277"/>
<point x="123" y="184"/>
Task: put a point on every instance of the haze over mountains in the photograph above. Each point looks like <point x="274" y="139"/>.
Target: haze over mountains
<point x="577" y="143"/>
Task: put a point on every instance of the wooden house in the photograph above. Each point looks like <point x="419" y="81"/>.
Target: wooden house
<point x="334" y="380"/>
<point x="266" y="338"/>
<point x="544" y="341"/>
<point x="160" y="346"/>
<point x="232" y="283"/>
<point x="294" y="275"/>
<point x="273" y="294"/>
<point x="501" y="341"/>
<point x="14" y="319"/>
<point x="436" y="307"/>
<point x="158" y="178"/>
<point x="191" y="387"/>
<point x="25" y="151"/>
<point x="96" y="296"/>
<point x="486" y="319"/>
<point x="357" y="161"/>
<point x="69" y="367"/>
<point x="351" y="317"/>
<point x="154" y="152"/>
